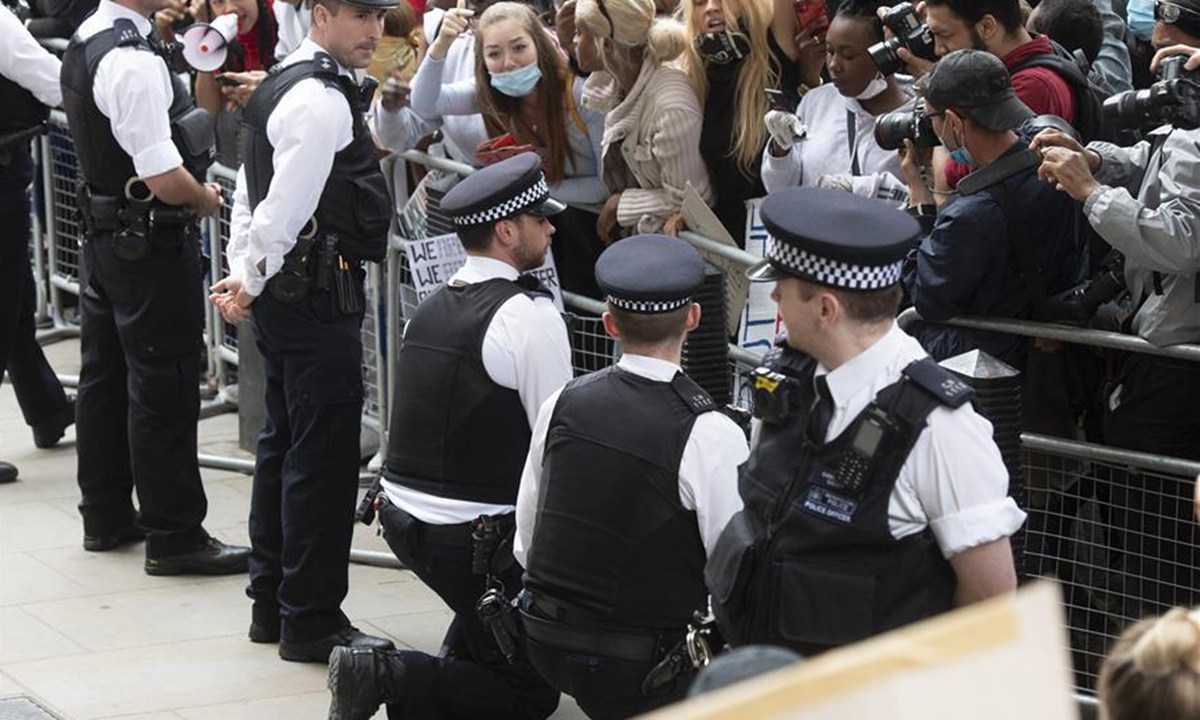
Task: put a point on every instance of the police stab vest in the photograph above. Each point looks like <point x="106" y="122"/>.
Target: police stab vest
<point x="810" y="562"/>
<point x="455" y="433"/>
<point x="612" y="537"/>
<point x="355" y="205"/>
<point x="102" y="162"/>
<point x="19" y="109"/>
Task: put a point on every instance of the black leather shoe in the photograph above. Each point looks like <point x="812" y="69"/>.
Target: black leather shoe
<point x="318" y="651"/>
<point x="214" y="558"/>
<point x="8" y="472"/>
<point x="48" y="434"/>
<point x="361" y="679"/>
<point x="104" y="543"/>
<point x="264" y="632"/>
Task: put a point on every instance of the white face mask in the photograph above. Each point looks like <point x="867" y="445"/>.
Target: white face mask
<point x="874" y="88"/>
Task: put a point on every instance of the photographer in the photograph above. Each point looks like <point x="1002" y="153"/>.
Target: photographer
<point x="1005" y="242"/>
<point x="1144" y="201"/>
<point x="829" y="140"/>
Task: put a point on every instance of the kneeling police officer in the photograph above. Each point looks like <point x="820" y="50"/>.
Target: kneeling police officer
<point x="874" y="494"/>
<point x="142" y="148"/>
<point x="312" y="205"/>
<point x="631" y="476"/>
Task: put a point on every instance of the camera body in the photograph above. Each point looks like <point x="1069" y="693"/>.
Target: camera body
<point x="1173" y="100"/>
<point x="910" y="33"/>
<point x="892" y="129"/>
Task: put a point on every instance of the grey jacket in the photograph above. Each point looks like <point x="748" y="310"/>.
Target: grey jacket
<point x="1159" y="231"/>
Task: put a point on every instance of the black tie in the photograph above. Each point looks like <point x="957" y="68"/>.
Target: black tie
<point x="821" y="413"/>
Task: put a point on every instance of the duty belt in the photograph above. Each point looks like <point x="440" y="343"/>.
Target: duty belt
<point x="107" y="213"/>
<point x="636" y="645"/>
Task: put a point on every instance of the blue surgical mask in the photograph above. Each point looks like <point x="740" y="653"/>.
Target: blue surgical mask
<point x="518" y="83"/>
<point x="1141" y="18"/>
<point x="962" y="156"/>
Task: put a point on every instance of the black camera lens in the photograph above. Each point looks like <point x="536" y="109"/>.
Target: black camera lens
<point x="885" y="57"/>
<point x="892" y="129"/>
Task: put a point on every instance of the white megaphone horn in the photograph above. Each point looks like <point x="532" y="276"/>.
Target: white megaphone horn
<point x="205" y="45"/>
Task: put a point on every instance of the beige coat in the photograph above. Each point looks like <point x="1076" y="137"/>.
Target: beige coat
<point x="651" y="147"/>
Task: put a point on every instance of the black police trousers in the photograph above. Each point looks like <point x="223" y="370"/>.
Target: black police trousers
<point x="471" y="680"/>
<point x="139" y="391"/>
<point x="38" y="391"/>
<point x="306" y="466"/>
<point x="605" y="688"/>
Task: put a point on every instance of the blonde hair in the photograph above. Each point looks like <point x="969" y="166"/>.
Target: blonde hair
<point x="758" y="72"/>
<point x="626" y="31"/>
<point x="1153" y="672"/>
<point x="502" y="114"/>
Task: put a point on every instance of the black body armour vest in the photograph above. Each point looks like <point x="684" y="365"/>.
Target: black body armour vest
<point x="810" y="562"/>
<point x="454" y="432"/>
<point x="612" y="537"/>
<point x="355" y="205"/>
<point x="102" y="162"/>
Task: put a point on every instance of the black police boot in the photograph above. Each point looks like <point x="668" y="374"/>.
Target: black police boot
<point x="8" y="472"/>
<point x="47" y="434"/>
<point x="264" y="623"/>
<point x="361" y="679"/>
<point x="212" y="558"/>
<point x="318" y="651"/>
<point x="112" y="541"/>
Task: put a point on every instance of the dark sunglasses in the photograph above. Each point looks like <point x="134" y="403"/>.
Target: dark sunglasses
<point x="1170" y="13"/>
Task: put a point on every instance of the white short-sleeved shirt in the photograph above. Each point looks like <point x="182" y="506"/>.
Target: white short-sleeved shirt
<point x="954" y="480"/>
<point x="311" y="124"/>
<point x="708" y="468"/>
<point x="525" y="348"/>
<point x="133" y="89"/>
<point x="27" y="63"/>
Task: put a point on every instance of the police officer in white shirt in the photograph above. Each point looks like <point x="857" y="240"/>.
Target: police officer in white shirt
<point x="28" y="89"/>
<point x="311" y="206"/>
<point x="874" y="494"/>
<point x="609" y="593"/>
<point x="143" y="148"/>
<point x="479" y="358"/>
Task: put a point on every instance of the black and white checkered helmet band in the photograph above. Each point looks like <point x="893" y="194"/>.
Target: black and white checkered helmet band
<point x="648" y="307"/>
<point x="533" y="194"/>
<point x="833" y="272"/>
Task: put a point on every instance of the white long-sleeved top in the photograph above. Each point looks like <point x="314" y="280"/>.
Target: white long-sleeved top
<point x="461" y="134"/>
<point x="310" y="125"/>
<point x="27" y="63"/>
<point x="133" y="89"/>
<point x="293" y="23"/>
<point x="525" y="348"/>
<point x="433" y="97"/>
<point x="826" y="149"/>
<point x="708" y="469"/>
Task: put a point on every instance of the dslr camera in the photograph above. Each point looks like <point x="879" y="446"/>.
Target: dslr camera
<point x="1173" y="100"/>
<point x="892" y="129"/>
<point x="909" y="33"/>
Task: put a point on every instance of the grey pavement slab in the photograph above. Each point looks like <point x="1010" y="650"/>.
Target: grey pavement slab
<point x="91" y="637"/>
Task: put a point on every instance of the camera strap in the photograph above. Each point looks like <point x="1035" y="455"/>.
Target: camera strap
<point x="852" y="134"/>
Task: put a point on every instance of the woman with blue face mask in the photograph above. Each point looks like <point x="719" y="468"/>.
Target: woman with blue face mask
<point x="524" y="88"/>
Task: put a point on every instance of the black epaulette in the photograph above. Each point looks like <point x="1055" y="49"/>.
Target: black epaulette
<point x="939" y="382"/>
<point x="533" y="286"/>
<point x="125" y="33"/>
<point x="324" y="66"/>
<point x="694" y="396"/>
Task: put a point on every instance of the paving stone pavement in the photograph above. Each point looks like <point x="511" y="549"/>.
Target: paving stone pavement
<point x="90" y="636"/>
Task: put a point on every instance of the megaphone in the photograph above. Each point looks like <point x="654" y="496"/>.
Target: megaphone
<point x="205" y="44"/>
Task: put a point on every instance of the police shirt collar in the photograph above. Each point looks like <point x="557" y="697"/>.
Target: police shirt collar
<point x="850" y="378"/>
<point x="307" y="49"/>
<point x="648" y="367"/>
<point x="115" y="11"/>
<point x="489" y="268"/>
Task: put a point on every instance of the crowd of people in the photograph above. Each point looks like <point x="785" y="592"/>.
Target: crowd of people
<point x="995" y="158"/>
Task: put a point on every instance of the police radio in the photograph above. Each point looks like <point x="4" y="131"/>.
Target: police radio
<point x="857" y="461"/>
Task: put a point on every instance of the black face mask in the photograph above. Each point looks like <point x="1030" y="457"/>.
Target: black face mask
<point x="725" y="47"/>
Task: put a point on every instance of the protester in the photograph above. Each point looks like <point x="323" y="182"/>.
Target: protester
<point x="1154" y="670"/>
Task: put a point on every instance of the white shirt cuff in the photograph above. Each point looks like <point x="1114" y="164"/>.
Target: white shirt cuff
<point x="977" y="526"/>
<point x="157" y="159"/>
<point x="253" y="281"/>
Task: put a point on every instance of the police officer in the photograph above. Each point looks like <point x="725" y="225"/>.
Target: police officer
<point x="142" y="147"/>
<point x="610" y="592"/>
<point x="28" y="86"/>
<point x="311" y="206"/>
<point x="479" y="357"/>
<point x="874" y="494"/>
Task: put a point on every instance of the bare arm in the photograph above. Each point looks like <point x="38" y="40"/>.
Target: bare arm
<point x="208" y="95"/>
<point x="983" y="572"/>
<point x="178" y="187"/>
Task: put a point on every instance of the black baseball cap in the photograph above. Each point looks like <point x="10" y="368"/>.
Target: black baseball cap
<point x="976" y="81"/>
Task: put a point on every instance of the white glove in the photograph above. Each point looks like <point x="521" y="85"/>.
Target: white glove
<point x="836" y="181"/>
<point x="785" y="128"/>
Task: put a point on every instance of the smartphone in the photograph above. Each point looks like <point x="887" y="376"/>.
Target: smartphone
<point x="226" y="81"/>
<point x="812" y="14"/>
<point x="777" y="100"/>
